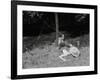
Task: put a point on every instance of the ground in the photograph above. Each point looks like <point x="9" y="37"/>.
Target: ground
<point x="47" y="55"/>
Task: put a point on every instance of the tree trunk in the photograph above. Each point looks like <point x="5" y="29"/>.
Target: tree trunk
<point x="57" y="28"/>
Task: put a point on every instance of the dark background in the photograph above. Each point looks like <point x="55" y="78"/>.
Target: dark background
<point x="35" y="23"/>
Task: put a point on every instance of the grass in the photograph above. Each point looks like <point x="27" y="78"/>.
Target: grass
<point x="43" y="53"/>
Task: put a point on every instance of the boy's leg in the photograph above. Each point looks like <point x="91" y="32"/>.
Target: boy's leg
<point x="61" y="57"/>
<point x="65" y="53"/>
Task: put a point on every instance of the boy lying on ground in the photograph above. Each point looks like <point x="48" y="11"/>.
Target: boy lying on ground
<point x="69" y="50"/>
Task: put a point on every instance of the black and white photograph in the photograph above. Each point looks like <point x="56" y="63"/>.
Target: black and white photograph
<point x="53" y="39"/>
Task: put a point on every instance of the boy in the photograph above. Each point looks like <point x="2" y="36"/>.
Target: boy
<point x="69" y="50"/>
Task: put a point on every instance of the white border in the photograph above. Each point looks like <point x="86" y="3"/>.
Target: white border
<point x="21" y="71"/>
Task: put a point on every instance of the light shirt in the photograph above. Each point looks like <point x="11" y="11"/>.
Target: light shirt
<point x="74" y="51"/>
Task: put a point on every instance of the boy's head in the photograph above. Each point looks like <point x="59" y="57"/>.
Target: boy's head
<point x="60" y="34"/>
